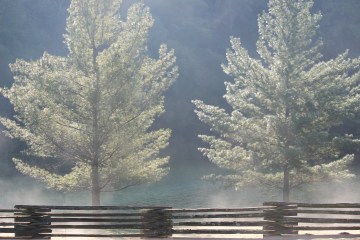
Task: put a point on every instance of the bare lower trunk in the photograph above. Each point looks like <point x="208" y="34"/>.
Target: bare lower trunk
<point x="95" y="187"/>
<point x="95" y="181"/>
<point x="286" y="186"/>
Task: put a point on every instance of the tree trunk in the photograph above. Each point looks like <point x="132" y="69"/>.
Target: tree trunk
<point x="95" y="181"/>
<point x="95" y="187"/>
<point x="286" y="187"/>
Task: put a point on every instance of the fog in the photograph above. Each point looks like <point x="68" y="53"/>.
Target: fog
<point x="199" y="31"/>
<point x="173" y="193"/>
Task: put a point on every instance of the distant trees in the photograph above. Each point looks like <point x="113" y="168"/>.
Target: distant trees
<point x="283" y="106"/>
<point x="93" y="109"/>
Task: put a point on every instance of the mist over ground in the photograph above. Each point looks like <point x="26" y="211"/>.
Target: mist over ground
<point x="199" y="31"/>
<point x="173" y="193"/>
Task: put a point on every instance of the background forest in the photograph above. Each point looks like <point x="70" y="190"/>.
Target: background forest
<point x="198" y="31"/>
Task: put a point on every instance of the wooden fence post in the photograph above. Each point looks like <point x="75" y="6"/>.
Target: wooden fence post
<point x="157" y="222"/>
<point x="32" y="222"/>
<point x="278" y="225"/>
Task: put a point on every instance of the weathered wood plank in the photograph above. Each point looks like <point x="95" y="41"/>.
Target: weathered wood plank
<point x="94" y="214"/>
<point x="218" y="231"/>
<point x="326" y="228"/>
<point x="319" y="220"/>
<point x="75" y="220"/>
<point x="240" y="215"/>
<point x="186" y="210"/>
<point x="7" y="210"/>
<point x="86" y="207"/>
<point x="321" y="211"/>
<point x="279" y="204"/>
<point x="6" y="224"/>
<point x="329" y="205"/>
<point x="229" y="224"/>
<point x="7" y="230"/>
<point x="314" y="205"/>
<point x="107" y="226"/>
<point x="93" y="235"/>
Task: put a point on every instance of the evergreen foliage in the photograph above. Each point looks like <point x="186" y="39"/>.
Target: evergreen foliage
<point x="93" y="109"/>
<point x="284" y="105"/>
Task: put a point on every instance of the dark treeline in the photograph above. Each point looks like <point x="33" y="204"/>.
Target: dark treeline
<point x="198" y="30"/>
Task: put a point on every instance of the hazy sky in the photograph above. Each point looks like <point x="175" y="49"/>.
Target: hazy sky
<point x="198" y="30"/>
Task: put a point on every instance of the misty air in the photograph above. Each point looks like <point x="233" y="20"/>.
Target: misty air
<point x="179" y="119"/>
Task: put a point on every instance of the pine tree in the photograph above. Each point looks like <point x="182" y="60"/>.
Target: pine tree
<point x="284" y="105"/>
<point x="92" y="109"/>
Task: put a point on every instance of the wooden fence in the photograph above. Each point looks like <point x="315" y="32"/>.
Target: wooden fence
<point x="314" y="219"/>
<point x="6" y="222"/>
<point x="273" y="219"/>
<point x="215" y="222"/>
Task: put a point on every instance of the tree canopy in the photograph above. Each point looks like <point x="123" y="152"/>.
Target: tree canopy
<point x="284" y="104"/>
<point x="93" y="109"/>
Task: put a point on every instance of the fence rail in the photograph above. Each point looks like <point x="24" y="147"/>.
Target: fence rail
<point x="6" y="222"/>
<point x="271" y="219"/>
<point x="225" y="221"/>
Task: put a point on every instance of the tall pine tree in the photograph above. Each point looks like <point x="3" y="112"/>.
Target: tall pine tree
<point x="93" y="109"/>
<point x="283" y="106"/>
